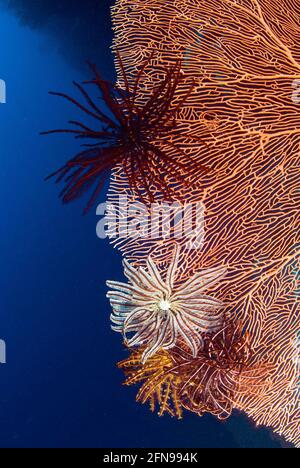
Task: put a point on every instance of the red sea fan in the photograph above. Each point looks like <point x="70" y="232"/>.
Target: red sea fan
<point x="244" y="57"/>
<point x="133" y="135"/>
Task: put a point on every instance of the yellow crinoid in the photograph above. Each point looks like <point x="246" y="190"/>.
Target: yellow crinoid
<point x="159" y="383"/>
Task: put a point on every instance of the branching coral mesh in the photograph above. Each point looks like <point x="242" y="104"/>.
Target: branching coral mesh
<point x="205" y="115"/>
<point x="244" y="59"/>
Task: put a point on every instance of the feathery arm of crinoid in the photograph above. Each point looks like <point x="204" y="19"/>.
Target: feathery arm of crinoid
<point x="156" y="311"/>
<point x="159" y="383"/>
<point x="131" y="134"/>
<point x="244" y="57"/>
<point x="210" y="382"/>
<point x="221" y="373"/>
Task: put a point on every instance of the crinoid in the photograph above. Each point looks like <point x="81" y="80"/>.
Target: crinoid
<point x="158" y="310"/>
<point x="211" y="382"/>
<point x="159" y="383"/>
<point x="222" y="371"/>
<point x="132" y="134"/>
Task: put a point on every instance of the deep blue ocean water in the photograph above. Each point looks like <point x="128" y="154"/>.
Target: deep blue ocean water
<point x="60" y="386"/>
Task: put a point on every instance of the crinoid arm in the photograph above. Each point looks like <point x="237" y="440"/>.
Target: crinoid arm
<point x="131" y="133"/>
<point x="159" y="385"/>
<point x="211" y="382"/>
<point x="221" y="372"/>
<point x="156" y="311"/>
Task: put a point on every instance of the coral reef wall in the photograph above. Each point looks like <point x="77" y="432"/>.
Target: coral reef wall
<point x="244" y="58"/>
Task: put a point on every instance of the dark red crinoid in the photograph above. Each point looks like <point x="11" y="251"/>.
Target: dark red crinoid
<point x="221" y="372"/>
<point x="129" y="134"/>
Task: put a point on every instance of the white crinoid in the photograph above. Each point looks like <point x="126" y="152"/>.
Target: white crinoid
<point x="156" y="312"/>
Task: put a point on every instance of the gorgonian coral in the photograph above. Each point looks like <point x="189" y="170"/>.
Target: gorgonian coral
<point x="133" y="134"/>
<point x="244" y="57"/>
<point x="158" y="311"/>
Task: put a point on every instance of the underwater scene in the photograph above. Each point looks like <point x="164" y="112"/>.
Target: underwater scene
<point x="150" y="199"/>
